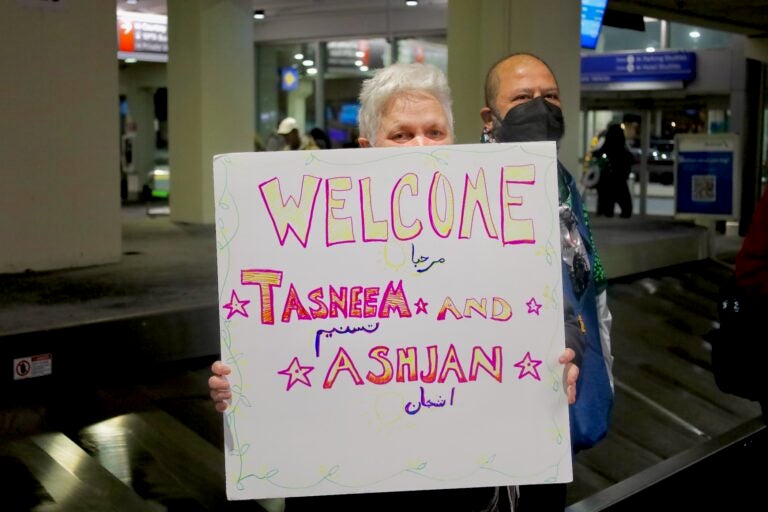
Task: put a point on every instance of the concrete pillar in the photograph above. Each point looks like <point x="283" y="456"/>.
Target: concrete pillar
<point x="59" y="135"/>
<point x="756" y="49"/>
<point x="266" y="90"/>
<point x="210" y="97"/>
<point x="482" y="32"/>
<point x="657" y="123"/>
<point x="142" y="109"/>
<point x="297" y="103"/>
<point x="320" y="58"/>
<point x="139" y="82"/>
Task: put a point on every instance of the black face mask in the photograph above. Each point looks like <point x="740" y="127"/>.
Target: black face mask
<point x="532" y="121"/>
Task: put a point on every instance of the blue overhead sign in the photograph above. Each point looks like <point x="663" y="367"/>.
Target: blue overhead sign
<point x="638" y="67"/>
<point x="289" y="78"/>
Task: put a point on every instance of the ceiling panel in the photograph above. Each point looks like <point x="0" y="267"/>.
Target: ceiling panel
<point x="748" y="17"/>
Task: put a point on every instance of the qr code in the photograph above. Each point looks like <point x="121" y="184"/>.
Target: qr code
<point x="703" y="188"/>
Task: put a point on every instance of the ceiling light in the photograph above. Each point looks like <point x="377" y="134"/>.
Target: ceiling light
<point x="298" y="56"/>
<point x="695" y="34"/>
<point x="359" y="54"/>
<point x="650" y="49"/>
<point x="363" y="68"/>
<point x="131" y="60"/>
<point x="311" y="71"/>
<point x="132" y="2"/>
<point x="259" y="14"/>
<point x="308" y="63"/>
<point x="358" y="63"/>
<point x="411" y="3"/>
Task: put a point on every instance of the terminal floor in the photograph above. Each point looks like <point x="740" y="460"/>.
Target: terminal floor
<point x="152" y="441"/>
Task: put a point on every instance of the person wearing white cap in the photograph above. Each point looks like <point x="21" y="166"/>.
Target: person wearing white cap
<point x="287" y="137"/>
<point x="289" y="130"/>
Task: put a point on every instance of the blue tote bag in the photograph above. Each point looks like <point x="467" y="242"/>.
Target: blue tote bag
<point x="590" y="416"/>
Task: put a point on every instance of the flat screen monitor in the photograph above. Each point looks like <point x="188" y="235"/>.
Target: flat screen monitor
<point x="348" y="113"/>
<point x="592" y="12"/>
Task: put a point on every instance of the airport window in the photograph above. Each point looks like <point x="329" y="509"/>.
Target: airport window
<point x="431" y="51"/>
<point x="287" y="74"/>
<point x="680" y="37"/>
<point x="614" y="39"/>
<point x="688" y="37"/>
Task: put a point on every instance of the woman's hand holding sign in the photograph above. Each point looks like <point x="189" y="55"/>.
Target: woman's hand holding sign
<point x="570" y="374"/>
<point x="221" y="392"/>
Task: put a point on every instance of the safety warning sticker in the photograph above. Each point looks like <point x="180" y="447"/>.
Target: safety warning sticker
<point x="32" y="366"/>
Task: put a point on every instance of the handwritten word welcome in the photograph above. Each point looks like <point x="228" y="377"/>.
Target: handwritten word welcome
<point x="297" y="216"/>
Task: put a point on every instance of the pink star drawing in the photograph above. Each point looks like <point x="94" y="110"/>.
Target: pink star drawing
<point x="236" y="306"/>
<point x="421" y="306"/>
<point x="528" y="367"/>
<point x="533" y="306"/>
<point x="297" y="373"/>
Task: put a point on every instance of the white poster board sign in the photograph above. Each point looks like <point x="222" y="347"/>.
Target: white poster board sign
<point x="393" y="318"/>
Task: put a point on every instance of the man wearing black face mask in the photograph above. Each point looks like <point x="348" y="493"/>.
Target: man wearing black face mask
<point x="522" y="101"/>
<point x="521" y="80"/>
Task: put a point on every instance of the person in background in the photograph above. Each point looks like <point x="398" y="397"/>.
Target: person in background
<point x="752" y="258"/>
<point x="322" y="141"/>
<point x="410" y="105"/>
<point x="615" y="163"/>
<point x="288" y="138"/>
<point x="352" y="142"/>
<point x="289" y="129"/>
<point x="258" y="143"/>
<point x="751" y="273"/>
<point x="522" y="104"/>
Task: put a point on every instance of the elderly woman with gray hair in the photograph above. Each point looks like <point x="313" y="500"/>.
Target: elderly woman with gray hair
<point x="405" y="105"/>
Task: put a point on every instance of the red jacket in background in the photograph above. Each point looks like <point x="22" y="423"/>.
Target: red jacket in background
<point x="752" y="259"/>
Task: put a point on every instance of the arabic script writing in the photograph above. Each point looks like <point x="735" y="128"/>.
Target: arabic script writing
<point x="427" y="403"/>
<point x="346" y="330"/>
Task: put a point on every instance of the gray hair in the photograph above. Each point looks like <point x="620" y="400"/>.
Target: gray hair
<point x="397" y="79"/>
